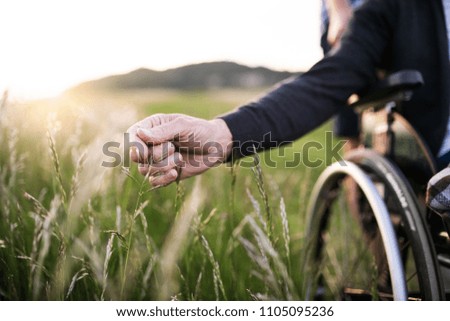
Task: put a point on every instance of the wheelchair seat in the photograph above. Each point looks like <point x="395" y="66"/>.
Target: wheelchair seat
<point x="396" y="87"/>
<point x="386" y="131"/>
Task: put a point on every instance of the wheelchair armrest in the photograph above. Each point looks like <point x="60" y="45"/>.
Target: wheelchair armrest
<point x="445" y="220"/>
<point x="397" y="87"/>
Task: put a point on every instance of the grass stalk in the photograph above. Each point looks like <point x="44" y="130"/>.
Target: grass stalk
<point x="257" y="171"/>
<point x="217" y="279"/>
<point x="56" y="164"/>
<point x="175" y="243"/>
<point x="138" y="208"/>
<point x="286" y="236"/>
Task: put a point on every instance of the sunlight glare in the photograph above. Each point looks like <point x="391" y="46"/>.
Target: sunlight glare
<point x="51" y="45"/>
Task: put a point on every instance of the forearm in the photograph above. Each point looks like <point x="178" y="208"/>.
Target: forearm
<point x="299" y="106"/>
<point x="293" y="109"/>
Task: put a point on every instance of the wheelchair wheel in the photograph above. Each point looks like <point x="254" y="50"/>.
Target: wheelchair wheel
<point x="416" y="246"/>
<point x="360" y="249"/>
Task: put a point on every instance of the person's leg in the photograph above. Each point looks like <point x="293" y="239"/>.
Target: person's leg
<point x="346" y="125"/>
<point x="438" y="191"/>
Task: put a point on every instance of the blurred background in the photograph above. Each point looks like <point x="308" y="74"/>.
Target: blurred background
<point x="49" y="46"/>
<point x="75" y="75"/>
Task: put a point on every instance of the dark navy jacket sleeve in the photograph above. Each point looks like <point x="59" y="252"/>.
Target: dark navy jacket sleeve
<point x="299" y="105"/>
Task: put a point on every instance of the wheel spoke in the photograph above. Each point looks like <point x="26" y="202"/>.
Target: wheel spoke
<point x="351" y="258"/>
<point x="404" y="246"/>
<point x="411" y="277"/>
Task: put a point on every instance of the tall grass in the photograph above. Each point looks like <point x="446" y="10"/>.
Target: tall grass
<point x="71" y="229"/>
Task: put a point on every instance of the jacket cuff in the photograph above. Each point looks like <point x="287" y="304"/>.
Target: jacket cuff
<point x="242" y="131"/>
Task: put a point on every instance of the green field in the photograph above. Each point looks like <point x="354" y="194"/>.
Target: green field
<point x="71" y="229"/>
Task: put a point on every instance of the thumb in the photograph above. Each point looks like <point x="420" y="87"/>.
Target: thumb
<point x="162" y="133"/>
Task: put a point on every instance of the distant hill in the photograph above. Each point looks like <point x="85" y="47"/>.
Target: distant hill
<point x="197" y="76"/>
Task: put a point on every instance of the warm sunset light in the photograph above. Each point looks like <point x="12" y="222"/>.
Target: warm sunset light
<point x="48" y="46"/>
<point x="181" y="159"/>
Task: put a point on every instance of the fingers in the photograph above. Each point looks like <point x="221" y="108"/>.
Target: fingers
<point x="138" y="154"/>
<point x="165" y="132"/>
<point x="160" y="152"/>
<point x="141" y="153"/>
<point x="161" y="167"/>
<point x="138" y="148"/>
<point x="155" y="130"/>
<point x="153" y="148"/>
<point x="164" y="172"/>
<point x="165" y="179"/>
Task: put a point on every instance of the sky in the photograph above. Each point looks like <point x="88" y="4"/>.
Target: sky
<point x="47" y="46"/>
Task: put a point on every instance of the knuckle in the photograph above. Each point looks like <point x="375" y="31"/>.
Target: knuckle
<point x="156" y="119"/>
<point x="183" y="121"/>
<point x="154" y="171"/>
<point x="143" y="170"/>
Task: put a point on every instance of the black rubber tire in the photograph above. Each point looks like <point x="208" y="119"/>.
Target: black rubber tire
<point x="412" y="227"/>
<point x="413" y="222"/>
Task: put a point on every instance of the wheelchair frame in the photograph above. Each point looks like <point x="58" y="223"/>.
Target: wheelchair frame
<point x="387" y="162"/>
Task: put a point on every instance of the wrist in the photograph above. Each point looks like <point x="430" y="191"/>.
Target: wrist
<point x="222" y="136"/>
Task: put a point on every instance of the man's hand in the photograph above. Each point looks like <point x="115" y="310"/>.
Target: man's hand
<point x="164" y="143"/>
<point x="340" y="13"/>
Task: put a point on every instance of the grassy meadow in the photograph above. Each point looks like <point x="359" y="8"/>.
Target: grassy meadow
<point x="71" y="229"/>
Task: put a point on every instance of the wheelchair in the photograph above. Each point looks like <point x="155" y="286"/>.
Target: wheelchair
<point x="369" y="233"/>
